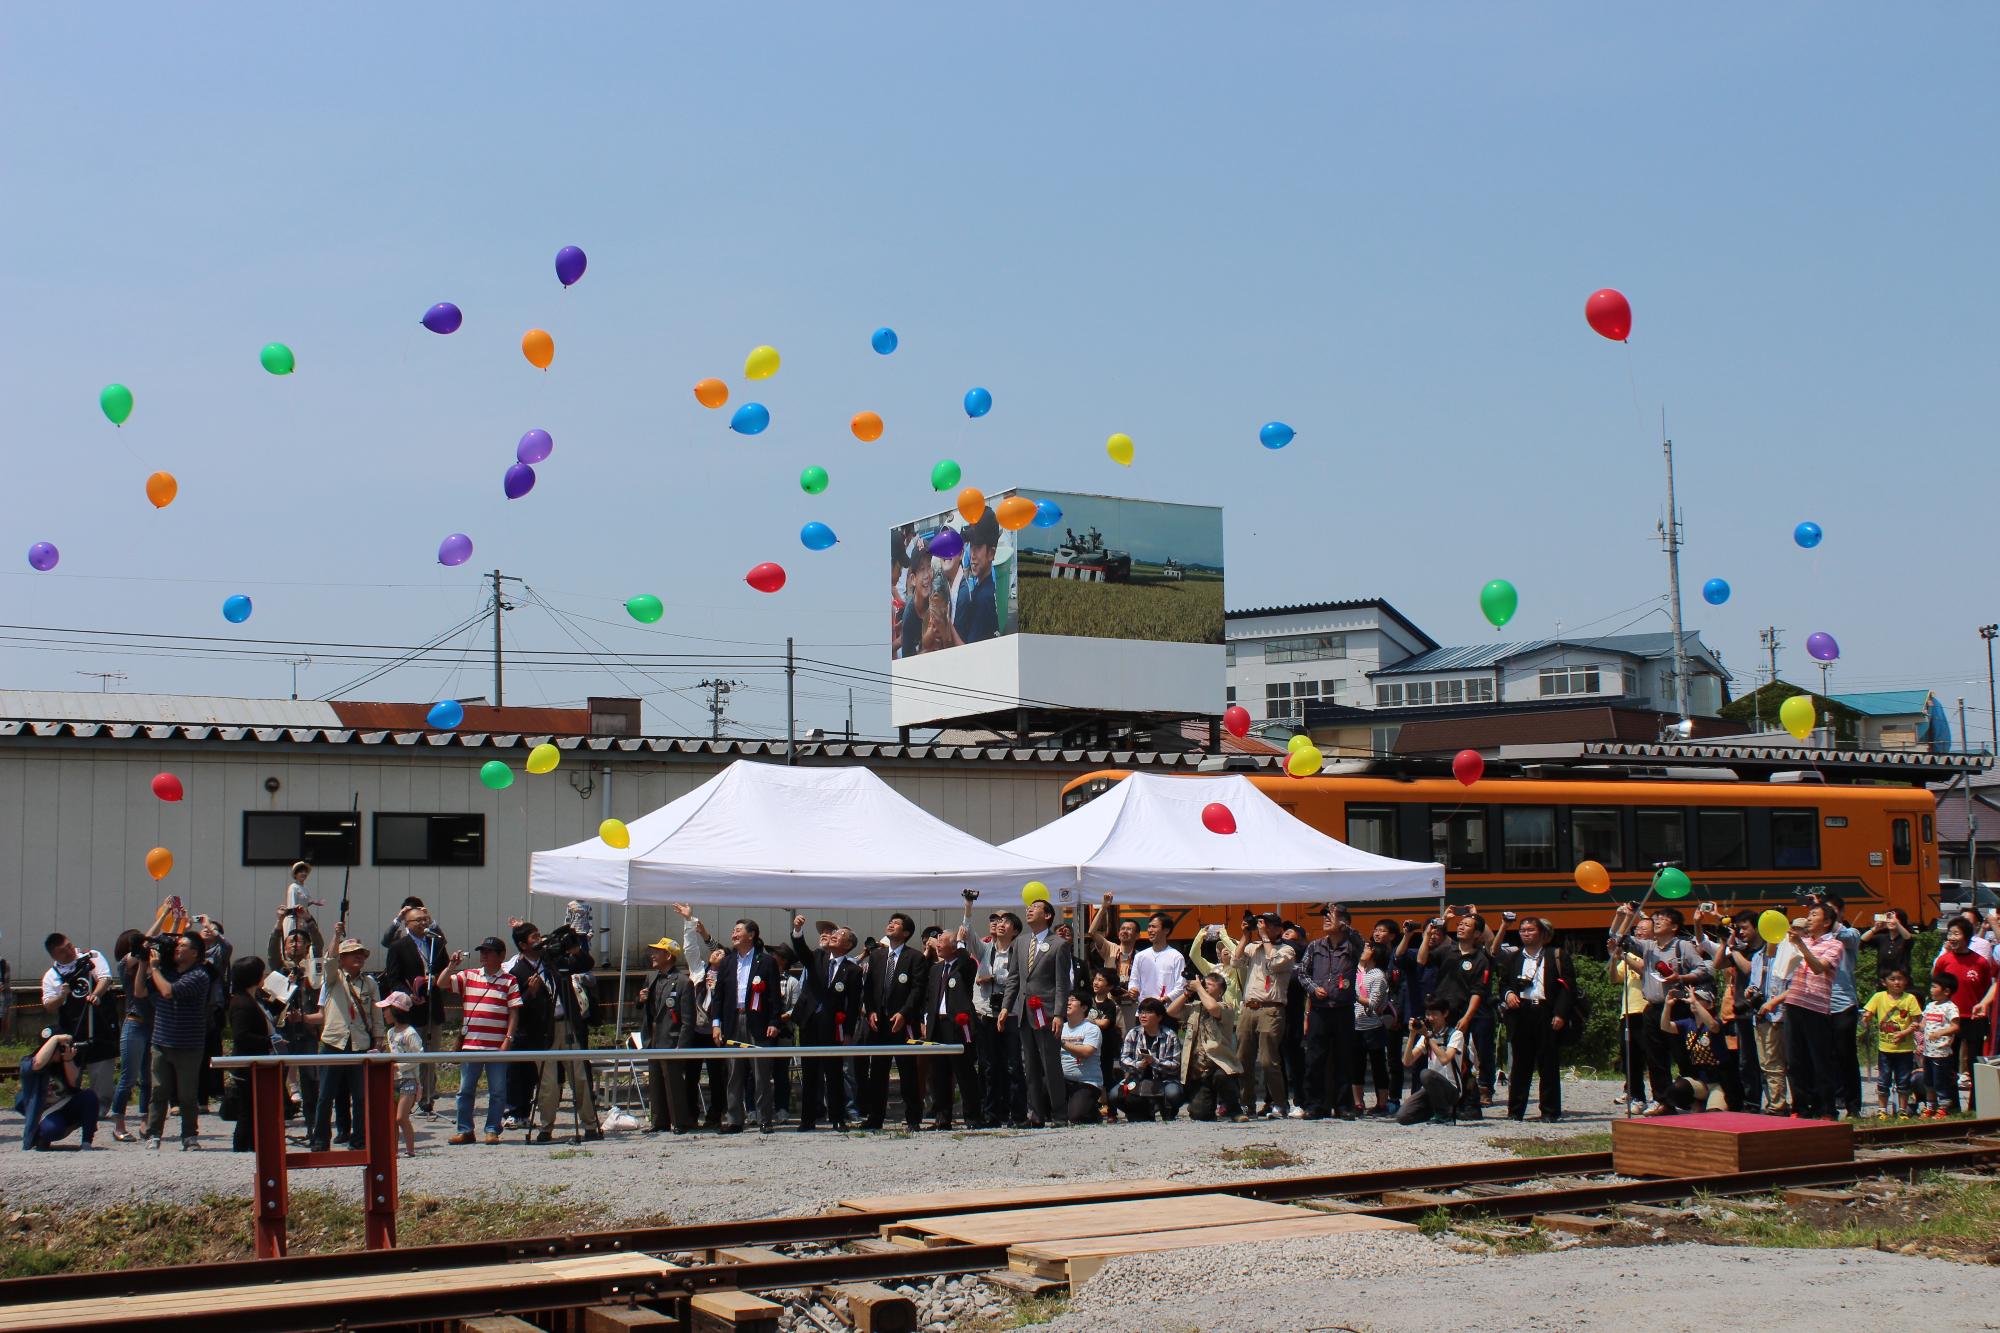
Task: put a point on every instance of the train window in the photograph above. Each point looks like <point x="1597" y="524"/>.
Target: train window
<point x="1372" y="828"/>
<point x="1795" y="839"/>
<point x="1458" y="838"/>
<point x="1725" y="841"/>
<point x="1662" y="837"/>
<point x="1929" y="832"/>
<point x="1899" y="841"/>
<point x="1594" y="835"/>
<point x="1528" y="837"/>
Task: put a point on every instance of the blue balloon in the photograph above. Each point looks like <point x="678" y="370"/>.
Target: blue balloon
<point x="817" y="536"/>
<point x="883" y="340"/>
<point x="1807" y="534"/>
<point x="445" y="714"/>
<point x="978" y="402"/>
<point x="947" y="544"/>
<point x="750" y="419"/>
<point x="1276" y="435"/>
<point x="1047" y="513"/>
<point x="1715" y="592"/>
<point x="520" y="479"/>
<point x="444" y="317"/>
<point x="570" y="264"/>
<point x="236" y="609"/>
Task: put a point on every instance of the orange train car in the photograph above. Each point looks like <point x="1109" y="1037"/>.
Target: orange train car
<point x="1513" y="844"/>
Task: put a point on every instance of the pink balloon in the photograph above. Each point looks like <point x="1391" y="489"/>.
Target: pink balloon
<point x="1217" y="818"/>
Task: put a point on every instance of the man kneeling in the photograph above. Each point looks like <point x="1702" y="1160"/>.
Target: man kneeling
<point x="1209" y="1069"/>
<point x="1150" y="1067"/>
<point x="1436" y="1044"/>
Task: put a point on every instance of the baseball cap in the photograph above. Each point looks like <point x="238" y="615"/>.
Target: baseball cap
<point x="665" y="945"/>
<point x="396" y="1000"/>
<point x="492" y="942"/>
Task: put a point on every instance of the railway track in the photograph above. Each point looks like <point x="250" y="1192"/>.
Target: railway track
<point x="442" y="1283"/>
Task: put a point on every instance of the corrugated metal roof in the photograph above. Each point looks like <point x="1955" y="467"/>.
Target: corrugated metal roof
<point x="1467" y="657"/>
<point x="1885" y="703"/>
<point x="1354" y="604"/>
<point x="191" y="709"/>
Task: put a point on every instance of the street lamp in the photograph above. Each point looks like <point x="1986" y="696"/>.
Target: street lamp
<point x="1987" y="632"/>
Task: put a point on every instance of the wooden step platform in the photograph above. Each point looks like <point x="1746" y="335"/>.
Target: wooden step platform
<point x="959" y="1201"/>
<point x="325" y="1295"/>
<point x="1722" y="1142"/>
<point x="1016" y="1225"/>
<point x="1077" y="1259"/>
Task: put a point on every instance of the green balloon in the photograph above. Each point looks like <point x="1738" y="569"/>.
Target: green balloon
<point x="1672" y="883"/>
<point x="944" y="476"/>
<point x="278" y="359"/>
<point x="1497" y="601"/>
<point x="496" y="775"/>
<point x="116" y="400"/>
<point x="645" y="608"/>
<point x="813" y="480"/>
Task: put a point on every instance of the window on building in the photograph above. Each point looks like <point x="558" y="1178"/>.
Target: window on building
<point x="1629" y="677"/>
<point x="1229" y="694"/>
<point x="1725" y="840"/>
<point x="1389" y="696"/>
<point x="1458" y="839"/>
<point x="1479" y="690"/>
<point x="1305" y="648"/>
<point x="1288" y="698"/>
<point x="1229" y="654"/>
<point x="430" y="840"/>
<point x="325" y="838"/>
<point x="1795" y="839"/>
<point x="1569" y="680"/>
<point x="1382" y="740"/>
<point x="1417" y="693"/>
<point x="1372" y="828"/>
<point x="1662" y="837"/>
<point x="1528" y="837"/>
<point x="1450" y="692"/>
<point x="1595" y="835"/>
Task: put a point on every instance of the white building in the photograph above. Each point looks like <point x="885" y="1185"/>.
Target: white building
<point x="1635" y="669"/>
<point x="1280" y="657"/>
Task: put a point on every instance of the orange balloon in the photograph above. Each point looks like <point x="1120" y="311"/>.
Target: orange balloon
<point x="1592" y="877"/>
<point x="158" y="862"/>
<point x="867" y="427"/>
<point x="1015" y="512"/>
<point x="971" y="503"/>
<point x="711" y="393"/>
<point x="161" y="488"/>
<point x="538" y="347"/>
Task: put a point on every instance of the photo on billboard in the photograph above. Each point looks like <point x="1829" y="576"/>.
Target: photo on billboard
<point x="950" y="583"/>
<point x="1111" y="568"/>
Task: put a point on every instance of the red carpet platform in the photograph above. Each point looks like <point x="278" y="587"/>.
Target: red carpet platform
<point x="1718" y="1142"/>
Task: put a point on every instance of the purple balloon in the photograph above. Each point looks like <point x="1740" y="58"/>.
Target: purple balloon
<point x="570" y="264"/>
<point x="1821" y="647"/>
<point x="520" y="479"/>
<point x="444" y="317"/>
<point x="455" y="549"/>
<point x="947" y="544"/>
<point x="43" y="556"/>
<point x="535" y="446"/>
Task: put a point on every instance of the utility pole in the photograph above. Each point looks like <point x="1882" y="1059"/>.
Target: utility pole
<point x="850" y="714"/>
<point x="1767" y="639"/>
<point x="718" y="691"/>
<point x="791" y="715"/>
<point x="1987" y="632"/>
<point x="295" y="663"/>
<point x="500" y="604"/>
<point x="1670" y="537"/>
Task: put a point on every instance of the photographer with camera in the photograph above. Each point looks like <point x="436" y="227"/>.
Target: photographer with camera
<point x="1209" y="1069"/>
<point x="1662" y="962"/>
<point x="77" y="997"/>
<point x="1705" y="1075"/>
<point x="53" y="1100"/>
<point x="1149" y="1067"/>
<point x="1437" y="1044"/>
<point x="172" y="969"/>
<point x="556" y="998"/>
<point x="135" y="1038"/>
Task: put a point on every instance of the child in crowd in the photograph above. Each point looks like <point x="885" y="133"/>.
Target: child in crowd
<point x="1939" y="1081"/>
<point x="1896" y="1016"/>
<point x="403" y="1040"/>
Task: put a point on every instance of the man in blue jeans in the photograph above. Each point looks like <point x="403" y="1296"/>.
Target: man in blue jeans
<point x="492" y="1012"/>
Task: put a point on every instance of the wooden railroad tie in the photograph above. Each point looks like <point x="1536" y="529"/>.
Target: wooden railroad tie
<point x="732" y="1312"/>
<point x="1575" y="1223"/>
<point x="1795" y="1197"/>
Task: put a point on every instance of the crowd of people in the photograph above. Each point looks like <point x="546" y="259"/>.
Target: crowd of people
<point x="1044" y="1029"/>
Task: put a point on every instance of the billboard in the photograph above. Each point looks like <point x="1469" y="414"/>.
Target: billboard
<point x="1089" y="566"/>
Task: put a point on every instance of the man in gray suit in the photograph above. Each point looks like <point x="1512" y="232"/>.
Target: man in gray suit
<point x="1037" y="983"/>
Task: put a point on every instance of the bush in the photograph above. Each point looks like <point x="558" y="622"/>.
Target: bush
<point x="1598" y="1047"/>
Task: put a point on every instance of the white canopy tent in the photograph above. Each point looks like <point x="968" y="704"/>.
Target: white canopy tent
<point x="763" y="835"/>
<point x="1145" y="839"/>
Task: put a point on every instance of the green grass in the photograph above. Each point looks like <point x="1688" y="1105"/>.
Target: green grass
<point x="1955" y="1214"/>
<point x="1260" y="1157"/>
<point x="1034" y="1310"/>
<point x="1553" y="1147"/>
<point x="1435" y="1222"/>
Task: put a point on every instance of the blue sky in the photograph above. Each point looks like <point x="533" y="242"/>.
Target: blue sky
<point x="1378" y="223"/>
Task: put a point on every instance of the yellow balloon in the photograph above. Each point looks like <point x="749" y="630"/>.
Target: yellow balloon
<point x="761" y="364"/>
<point x="1305" y="762"/>
<point x="1798" y="716"/>
<point x="1773" y="925"/>
<point x="1034" y="891"/>
<point x="614" y="833"/>
<point x="1299" y="741"/>
<point x="544" y="758"/>
<point x="1119" y="447"/>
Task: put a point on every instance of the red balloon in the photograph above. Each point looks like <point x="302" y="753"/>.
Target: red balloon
<point x="1236" y="720"/>
<point x="1216" y="818"/>
<point x="1609" y="313"/>
<point x="766" y="577"/>
<point x="1468" y="766"/>
<point x="167" y="787"/>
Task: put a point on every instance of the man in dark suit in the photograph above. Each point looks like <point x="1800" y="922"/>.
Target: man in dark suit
<point x="898" y="973"/>
<point x="1537" y="984"/>
<point x="949" y="1019"/>
<point x="828" y="1009"/>
<point x="745" y="1011"/>
<point x="667" y="1004"/>
<point x="1037" y="986"/>
<point x="417" y="957"/>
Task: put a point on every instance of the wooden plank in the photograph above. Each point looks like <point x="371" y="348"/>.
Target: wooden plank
<point x="1414" y="1198"/>
<point x="1724" y="1142"/>
<point x="1575" y="1223"/>
<point x="1799" y="1196"/>
<point x="1078" y="1258"/>
<point x="1013" y="1226"/>
<point x="624" y="1319"/>
<point x="1652" y="1212"/>
<point x="876" y="1309"/>
<point x="971" y="1200"/>
<point x="1021" y="1284"/>
<point x="731" y="1311"/>
<point x="497" y="1324"/>
<point x="746" y="1254"/>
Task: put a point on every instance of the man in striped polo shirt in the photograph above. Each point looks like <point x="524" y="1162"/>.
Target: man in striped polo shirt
<point x="492" y="1000"/>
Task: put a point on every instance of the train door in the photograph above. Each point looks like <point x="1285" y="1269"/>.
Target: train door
<point x="1906" y="856"/>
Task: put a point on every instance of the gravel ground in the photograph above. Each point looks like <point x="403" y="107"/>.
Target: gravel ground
<point x="704" y="1177"/>
<point x="1665" y="1290"/>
